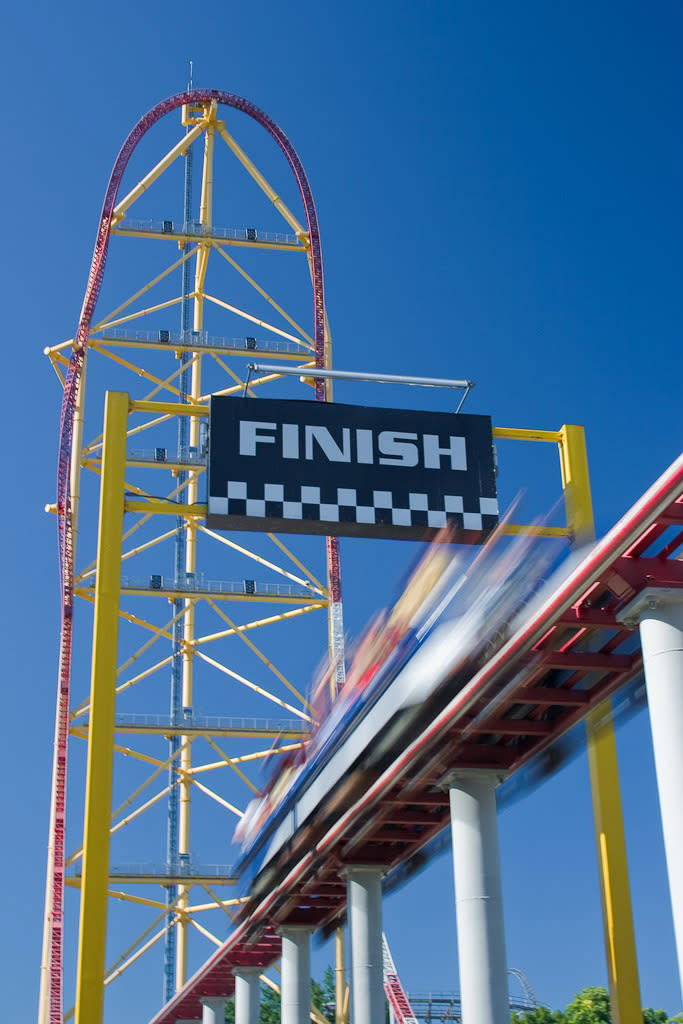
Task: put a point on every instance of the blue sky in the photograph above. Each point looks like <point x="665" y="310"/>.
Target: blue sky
<point x="498" y="188"/>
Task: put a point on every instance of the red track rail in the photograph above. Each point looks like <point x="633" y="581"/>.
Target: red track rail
<point x="71" y="385"/>
<point x="539" y="685"/>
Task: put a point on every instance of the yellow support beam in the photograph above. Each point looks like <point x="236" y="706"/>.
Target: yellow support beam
<point x="252" y="319"/>
<point x="93" y="915"/>
<point x="620" y="943"/>
<point x="615" y="891"/>
<point x="170" y="408"/>
<point x="187" y="686"/>
<point x="307" y="341"/>
<point x="166" y="508"/>
<point x="340" y="1015"/>
<point x="107" y="326"/>
<point x="262" y="183"/>
<point x="519" y="434"/>
<point x="178" y="150"/>
<point x="190" y="237"/>
<point x="101" y="325"/>
<point x="517" y="529"/>
<point x="576" y="483"/>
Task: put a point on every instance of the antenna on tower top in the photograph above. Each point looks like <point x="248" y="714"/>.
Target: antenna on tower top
<point x="190" y="84"/>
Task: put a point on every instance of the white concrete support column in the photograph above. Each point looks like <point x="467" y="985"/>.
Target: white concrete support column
<point x="478" y="899"/>
<point x="364" y="910"/>
<point x="660" y="613"/>
<point x="213" y="1009"/>
<point x="296" y="974"/>
<point x="247" y="994"/>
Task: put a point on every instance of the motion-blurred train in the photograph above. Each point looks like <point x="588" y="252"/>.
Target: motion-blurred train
<point x="453" y="612"/>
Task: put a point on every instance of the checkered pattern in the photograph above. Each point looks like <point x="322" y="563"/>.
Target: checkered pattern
<point x="348" y="505"/>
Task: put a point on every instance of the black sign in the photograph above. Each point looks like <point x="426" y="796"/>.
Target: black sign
<point x="347" y="470"/>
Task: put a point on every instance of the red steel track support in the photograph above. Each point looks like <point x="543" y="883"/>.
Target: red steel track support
<point x="65" y="525"/>
<point x="400" y="796"/>
<point x="393" y="989"/>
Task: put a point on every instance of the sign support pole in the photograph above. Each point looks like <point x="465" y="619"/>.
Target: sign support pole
<point x="93" y="919"/>
<point x="617" y="914"/>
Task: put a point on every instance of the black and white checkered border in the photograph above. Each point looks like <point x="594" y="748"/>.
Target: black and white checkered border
<point x="383" y="510"/>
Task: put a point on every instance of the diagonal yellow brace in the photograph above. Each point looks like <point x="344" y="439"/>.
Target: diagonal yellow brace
<point x="100" y="326"/>
<point x="180" y="147"/>
<point x="308" y="340"/>
<point x="617" y="914"/>
<point x="93" y="915"/>
<point x="261" y="181"/>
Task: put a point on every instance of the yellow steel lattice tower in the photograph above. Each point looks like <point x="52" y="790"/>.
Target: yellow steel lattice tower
<point x="246" y="607"/>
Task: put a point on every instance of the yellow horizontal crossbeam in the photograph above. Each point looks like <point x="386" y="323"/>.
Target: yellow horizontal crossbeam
<point x="208" y="348"/>
<point x="200" y="595"/>
<point x="521" y="434"/>
<point x="74" y="881"/>
<point x="516" y="529"/>
<point x="169" y="408"/>
<point x="165" y="508"/>
<point x="226" y="732"/>
<point x="212" y="240"/>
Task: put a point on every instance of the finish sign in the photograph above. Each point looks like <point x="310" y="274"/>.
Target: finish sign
<point x="293" y="466"/>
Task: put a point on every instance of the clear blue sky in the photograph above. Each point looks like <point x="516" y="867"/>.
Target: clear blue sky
<point x="499" y="191"/>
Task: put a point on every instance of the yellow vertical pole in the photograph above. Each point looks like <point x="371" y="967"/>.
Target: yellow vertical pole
<point x="185" y="760"/>
<point x="93" y="918"/>
<point x="339" y="976"/>
<point x="617" y="915"/>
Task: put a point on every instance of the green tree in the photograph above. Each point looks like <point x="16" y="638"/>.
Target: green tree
<point x="590" y="1007"/>
<point x="322" y="997"/>
<point x="542" y="1015"/>
<point x="270" y="1006"/>
<point x="328" y="996"/>
<point x="318" y="1000"/>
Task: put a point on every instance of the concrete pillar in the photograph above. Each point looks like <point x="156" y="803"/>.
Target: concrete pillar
<point x="213" y="1009"/>
<point x="660" y="613"/>
<point x="247" y="994"/>
<point x="364" y="911"/>
<point x="296" y="974"/>
<point x="478" y="899"/>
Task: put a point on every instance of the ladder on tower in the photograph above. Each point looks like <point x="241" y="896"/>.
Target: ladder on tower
<point x="398" y="1000"/>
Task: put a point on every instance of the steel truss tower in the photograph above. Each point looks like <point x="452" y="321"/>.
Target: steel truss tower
<point x="235" y="699"/>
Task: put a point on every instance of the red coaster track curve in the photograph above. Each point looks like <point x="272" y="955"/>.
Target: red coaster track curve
<point x="71" y="385"/>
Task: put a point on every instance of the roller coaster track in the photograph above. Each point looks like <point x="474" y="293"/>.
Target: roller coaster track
<point x="55" y="869"/>
<point x="393" y="989"/>
<point x="390" y="821"/>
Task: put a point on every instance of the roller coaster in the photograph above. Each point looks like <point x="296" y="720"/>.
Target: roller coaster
<point x="563" y="660"/>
